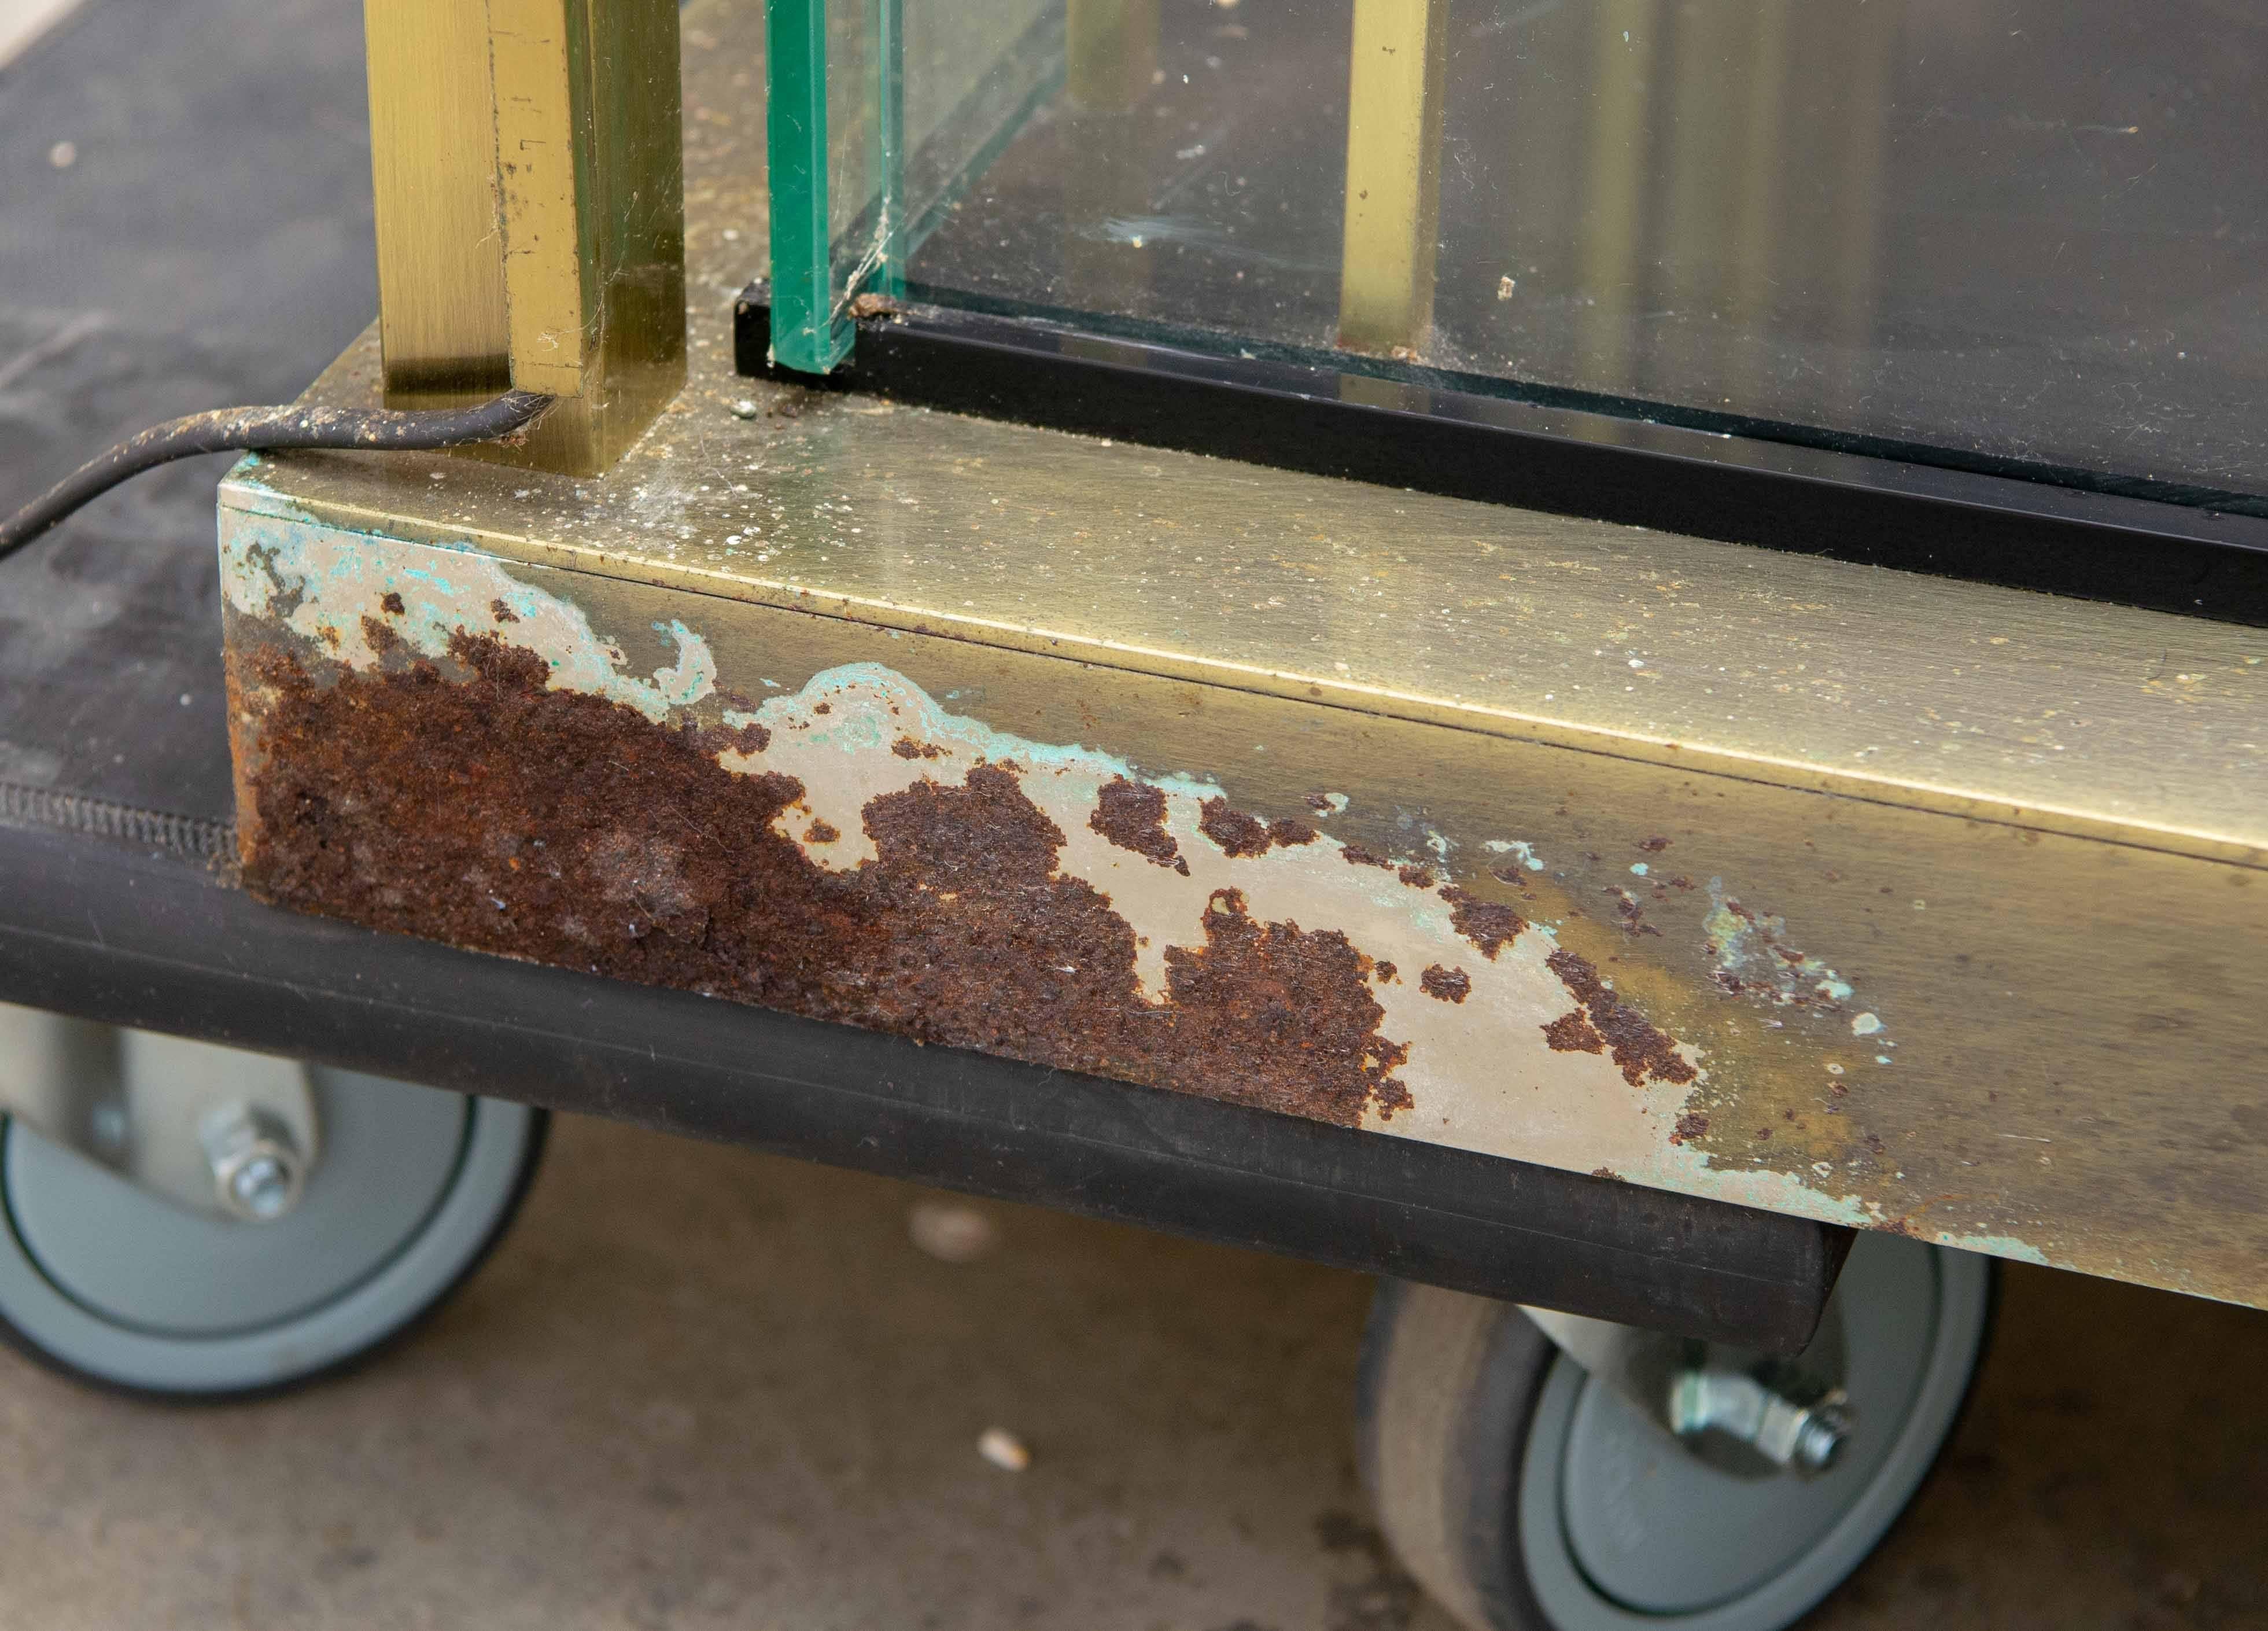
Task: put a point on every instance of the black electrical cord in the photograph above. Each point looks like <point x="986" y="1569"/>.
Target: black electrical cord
<point x="261" y="430"/>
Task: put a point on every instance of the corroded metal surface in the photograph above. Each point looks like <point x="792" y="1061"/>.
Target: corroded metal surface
<point x="1849" y="893"/>
<point x="436" y="746"/>
<point x="1828" y="1007"/>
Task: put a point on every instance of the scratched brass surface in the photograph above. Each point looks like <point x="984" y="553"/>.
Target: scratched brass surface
<point x="540" y="57"/>
<point x="2030" y="833"/>
<point x="2049" y="713"/>
<point x="530" y="223"/>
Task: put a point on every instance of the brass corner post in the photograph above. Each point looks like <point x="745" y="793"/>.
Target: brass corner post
<point x="528" y="162"/>
<point x="1393" y="174"/>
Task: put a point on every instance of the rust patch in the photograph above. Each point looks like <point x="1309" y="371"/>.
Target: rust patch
<point x="753" y="737"/>
<point x="820" y="832"/>
<point x="477" y="806"/>
<point x="1487" y="924"/>
<point x="390" y="604"/>
<point x="1418" y="875"/>
<point x="1288" y="1009"/>
<point x="1387" y="971"/>
<point x="1450" y="984"/>
<point x="1572" y="1033"/>
<point x="502" y="613"/>
<point x="377" y="636"/>
<point x="1240" y="835"/>
<point x="1236" y="832"/>
<point x="1639" y="1048"/>
<point x="1357" y="856"/>
<point x="1690" y="1126"/>
<point x="1630" y="916"/>
<point x="1132" y="816"/>
<point x="1654" y="846"/>
<point x="907" y="748"/>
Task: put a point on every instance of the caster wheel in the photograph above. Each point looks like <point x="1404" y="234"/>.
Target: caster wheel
<point x="112" y="1284"/>
<point x="1524" y="1496"/>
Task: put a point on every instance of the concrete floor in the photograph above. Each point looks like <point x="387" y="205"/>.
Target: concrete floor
<point x="699" y="1387"/>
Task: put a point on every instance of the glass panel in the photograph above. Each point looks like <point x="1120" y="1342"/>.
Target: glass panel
<point x="898" y="145"/>
<point x="1990" y="233"/>
<point x="973" y="74"/>
<point x="796" y="162"/>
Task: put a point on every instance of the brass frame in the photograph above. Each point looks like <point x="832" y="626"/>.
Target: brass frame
<point x="1394" y="97"/>
<point x="2020" y="844"/>
<point x="527" y="162"/>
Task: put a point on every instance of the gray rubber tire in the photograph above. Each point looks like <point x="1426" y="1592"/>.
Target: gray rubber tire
<point x="1525" y="1497"/>
<point x="117" y="1287"/>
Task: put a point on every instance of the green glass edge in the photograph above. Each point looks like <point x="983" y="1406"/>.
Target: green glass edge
<point x="806" y="334"/>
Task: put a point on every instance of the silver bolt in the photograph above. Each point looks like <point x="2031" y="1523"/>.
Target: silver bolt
<point x="107" y="1122"/>
<point x="1821" y="1438"/>
<point x="262" y="1187"/>
<point x="1806" y="1437"/>
<point x="256" y="1167"/>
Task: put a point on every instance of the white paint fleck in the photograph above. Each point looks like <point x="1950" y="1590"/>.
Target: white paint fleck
<point x="1526" y="856"/>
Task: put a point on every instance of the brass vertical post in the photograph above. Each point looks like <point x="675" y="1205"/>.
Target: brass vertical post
<point x="1695" y="187"/>
<point x="1871" y="52"/>
<point x="440" y="264"/>
<point x="1752" y="277"/>
<point x="1611" y="268"/>
<point x="530" y="203"/>
<point x="1393" y="174"/>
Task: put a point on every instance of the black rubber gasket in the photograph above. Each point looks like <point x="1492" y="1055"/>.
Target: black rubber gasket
<point x="2204" y="553"/>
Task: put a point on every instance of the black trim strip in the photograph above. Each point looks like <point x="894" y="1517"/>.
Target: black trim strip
<point x="2028" y="533"/>
<point x="160" y="940"/>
